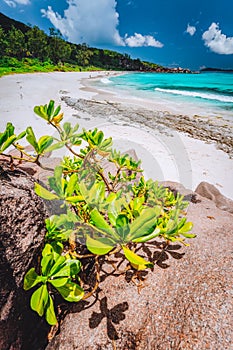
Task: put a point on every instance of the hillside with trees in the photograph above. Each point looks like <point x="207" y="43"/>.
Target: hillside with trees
<point x="31" y="48"/>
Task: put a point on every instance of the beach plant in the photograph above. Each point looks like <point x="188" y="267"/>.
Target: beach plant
<point x="9" y="138"/>
<point x="58" y="270"/>
<point x="108" y="208"/>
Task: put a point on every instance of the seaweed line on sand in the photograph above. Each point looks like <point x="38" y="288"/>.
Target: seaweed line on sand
<point x="209" y="129"/>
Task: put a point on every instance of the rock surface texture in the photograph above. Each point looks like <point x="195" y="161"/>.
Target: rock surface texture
<point x="186" y="302"/>
<point x="209" y="191"/>
<point x="22" y="231"/>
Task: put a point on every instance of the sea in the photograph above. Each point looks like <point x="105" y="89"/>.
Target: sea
<point x="205" y="93"/>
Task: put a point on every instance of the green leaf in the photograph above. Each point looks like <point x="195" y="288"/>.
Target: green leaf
<point x="46" y="264"/>
<point x="10" y="129"/>
<point x="58" y="179"/>
<point x="67" y="128"/>
<point x="55" y="146"/>
<point x="75" y="128"/>
<point x="75" y="140"/>
<point x="54" y="248"/>
<point x="186" y="227"/>
<point x="44" y="142"/>
<point x="50" y="109"/>
<point x="69" y="268"/>
<point x="148" y="237"/>
<point x="97" y="192"/>
<point x="42" y="192"/>
<point x="21" y="135"/>
<point x="102" y="224"/>
<point x="145" y="223"/>
<point x="71" y="185"/>
<point x="189" y="235"/>
<point x="57" y="110"/>
<point x="49" y="312"/>
<point x="74" y="199"/>
<point x="95" y="195"/>
<point x="8" y="142"/>
<point x="32" y="139"/>
<point x="3" y="137"/>
<point x="122" y="220"/>
<point x="106" y="144"/>
<point x="31" y="279"/>
<point x="136" y="261"/>
<point x="71" y="292"/>
<point x="51" y="258"/>
<point x="114" y="208"/>
<point x="39" y="300"/>
<point x="39" y="110"/>
<point x="59" y="282"/>
<point x="99" y="137"/>
<point x="101" y="246"/>
<point x="122" y="226"/>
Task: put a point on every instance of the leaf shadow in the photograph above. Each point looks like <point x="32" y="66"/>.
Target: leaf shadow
<point x="113" y="316"/>
<point x="162" y="252"/>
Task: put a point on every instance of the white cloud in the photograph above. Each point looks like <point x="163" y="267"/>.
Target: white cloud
<point x="216" y="41"/>
<point x="138" y="40"/>
<point x="191" y="30"/>
<point x="10" y="3"/>
<point x="88" y="21"/>
<point x="13" y="3"/>
<point x="94" y="22"/>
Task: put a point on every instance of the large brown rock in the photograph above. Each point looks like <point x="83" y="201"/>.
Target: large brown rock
<point x="209" y="191"/>
<point x="186" y="303"/>
<point x="22" y="231"/>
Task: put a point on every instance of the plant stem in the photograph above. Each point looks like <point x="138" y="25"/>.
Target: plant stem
<point x="88" y="295"/>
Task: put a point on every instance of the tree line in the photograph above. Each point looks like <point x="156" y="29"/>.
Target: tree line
<point x="35" y="43"/>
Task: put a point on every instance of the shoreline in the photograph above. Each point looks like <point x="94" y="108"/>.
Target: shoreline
<point x="210" y="129"/>
<point x="159" y="137"/>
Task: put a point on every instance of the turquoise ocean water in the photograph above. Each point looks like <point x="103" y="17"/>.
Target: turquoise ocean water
<point x="208" y="91"/>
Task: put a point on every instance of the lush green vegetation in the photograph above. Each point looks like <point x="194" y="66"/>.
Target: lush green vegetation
<point x="104" y="213"/>
<point x="10" y="65"/>
<point x="29" y="49"/>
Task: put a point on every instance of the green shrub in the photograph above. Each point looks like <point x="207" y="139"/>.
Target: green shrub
<point x="105" y="212"/>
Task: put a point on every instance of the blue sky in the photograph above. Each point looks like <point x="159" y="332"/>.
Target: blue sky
<point x="183" y="33"/>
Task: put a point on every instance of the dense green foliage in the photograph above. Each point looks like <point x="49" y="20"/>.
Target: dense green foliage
<point x="104" y="212"/>
<point x="51" y="52"/>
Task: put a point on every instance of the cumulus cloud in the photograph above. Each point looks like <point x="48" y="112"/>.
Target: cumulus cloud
<point x="137" y="40"/>
<point x="13" y="3"/>
<point x="191" y="30"/>
<point x="216" y="41"/>
<point x="88" y="21"/>
<point x="94" y="22"/>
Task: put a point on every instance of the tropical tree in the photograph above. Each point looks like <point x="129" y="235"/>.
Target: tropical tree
<point x="3" y="42"/>
<point x="37" y="43"/>
<point x="84" y="55"/>
<point x="15" y="43"/>
<point x="59" y="49"/>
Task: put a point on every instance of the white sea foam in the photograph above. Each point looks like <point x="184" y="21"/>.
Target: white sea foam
<point x="105" y="81"/>
<point x="197" y="94"/>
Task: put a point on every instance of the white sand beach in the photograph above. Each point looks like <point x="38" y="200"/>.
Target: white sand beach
<point x="167" y="154"/>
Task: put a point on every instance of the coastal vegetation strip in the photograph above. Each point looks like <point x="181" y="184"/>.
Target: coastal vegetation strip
<point x="29" y="49"/>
